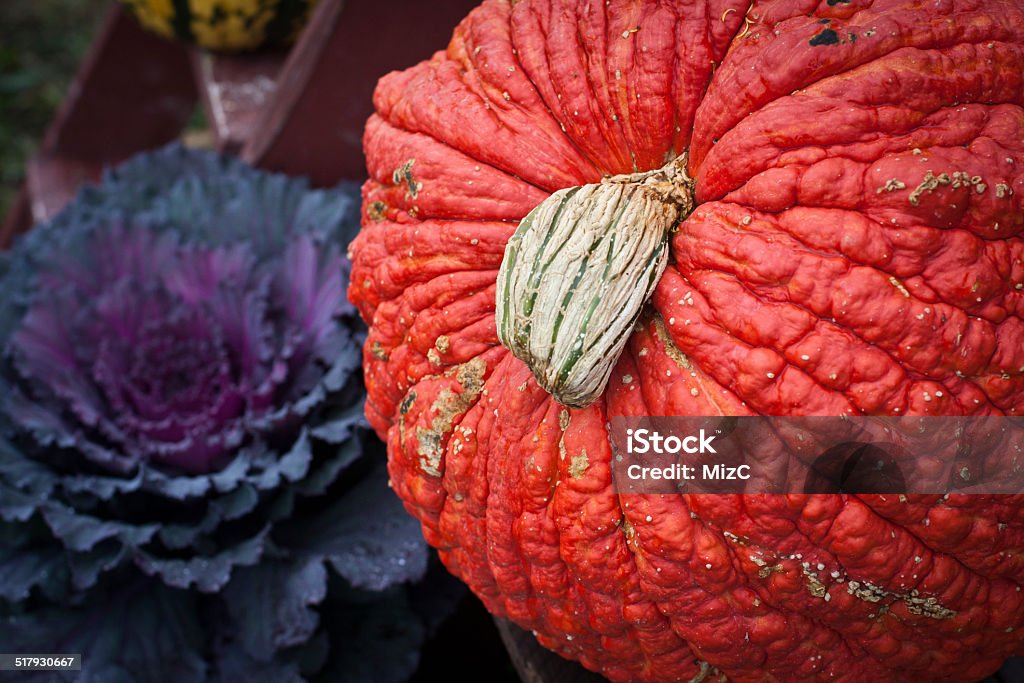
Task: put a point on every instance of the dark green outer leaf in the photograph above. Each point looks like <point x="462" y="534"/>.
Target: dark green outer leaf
<point x="366" y="536"/>
<point x="141" y="633"/>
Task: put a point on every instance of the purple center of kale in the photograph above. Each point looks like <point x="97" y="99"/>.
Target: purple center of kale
<point x="144" y="349"/>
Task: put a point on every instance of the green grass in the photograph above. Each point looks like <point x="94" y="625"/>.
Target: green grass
<point x="41" y="44"/>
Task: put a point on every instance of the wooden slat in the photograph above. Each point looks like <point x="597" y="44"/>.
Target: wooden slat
<point x="302" y="113"/>
<point x="234" y="90"/>
<point x="133" y="91"/>
<point x="314" y="125"/>
<point x="18" y="218"/>
<point x="53" y="181"/>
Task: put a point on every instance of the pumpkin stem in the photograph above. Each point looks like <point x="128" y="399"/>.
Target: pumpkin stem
<point x="578" y="270"/>
<point x="671" y="181"/>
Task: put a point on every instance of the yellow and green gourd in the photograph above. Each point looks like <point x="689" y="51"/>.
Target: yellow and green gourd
<point x="224" y="25"/>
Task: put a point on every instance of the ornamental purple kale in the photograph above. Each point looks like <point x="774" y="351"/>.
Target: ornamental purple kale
<point x="181" y="415"/>
<point x="141" y="349"/>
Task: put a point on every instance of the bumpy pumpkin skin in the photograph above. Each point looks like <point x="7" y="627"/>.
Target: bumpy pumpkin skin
<point x="829" y="268"/>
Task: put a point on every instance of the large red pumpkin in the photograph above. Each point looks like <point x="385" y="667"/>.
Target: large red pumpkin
<point x="856" y="247"/>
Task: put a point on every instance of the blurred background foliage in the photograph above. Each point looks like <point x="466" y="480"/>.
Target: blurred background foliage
<point x="41" y="44"/>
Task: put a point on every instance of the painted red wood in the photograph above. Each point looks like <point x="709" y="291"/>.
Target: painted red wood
<point x="314" y="125"/>
<point x="132" y="91"/>
<point x="300" y="112"/>
<point x="236" y="91"/>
